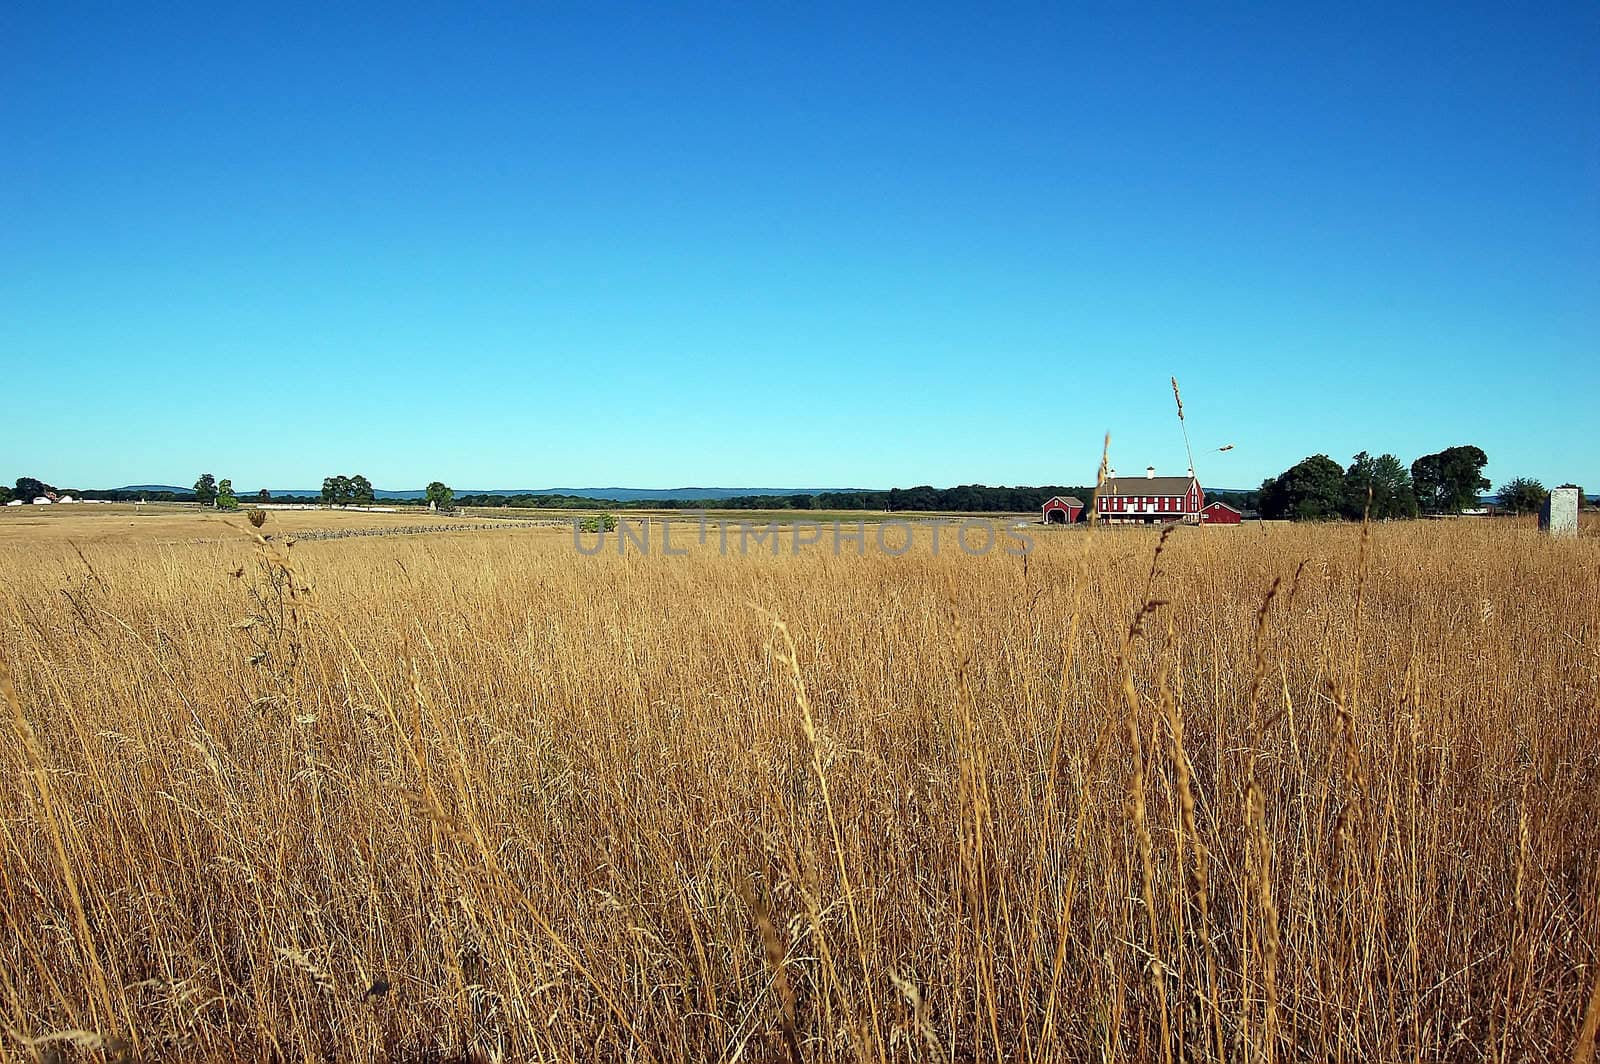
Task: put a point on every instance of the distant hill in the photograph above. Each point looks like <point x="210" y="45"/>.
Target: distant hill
<point x="619" y="494"/>
<point x="631" y="494"/>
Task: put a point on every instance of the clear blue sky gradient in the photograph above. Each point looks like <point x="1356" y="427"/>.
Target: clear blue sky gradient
<point x="793" y="245"/>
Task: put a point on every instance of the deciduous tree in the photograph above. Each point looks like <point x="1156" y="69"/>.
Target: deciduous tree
<point x="1449" y="481"/>
<point x="1389" y="484"/>
<point x="340" y="490"/>
<point x="1311" y="490"/>
<point x="29" y="489"/>
<point x="205" y="489"/>
<point x="1522" y="495"/>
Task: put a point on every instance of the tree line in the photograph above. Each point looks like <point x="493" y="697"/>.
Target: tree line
<point x="1446" y="482"/>
<point x="964" y="498"/>
<point x="357" y="490"/>
<point x="1315" y="488"/>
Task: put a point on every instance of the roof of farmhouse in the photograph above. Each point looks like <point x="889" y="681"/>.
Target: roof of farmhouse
<point x="1143" y="485"/>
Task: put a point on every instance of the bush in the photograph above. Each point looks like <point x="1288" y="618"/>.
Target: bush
<point x="257" y="517"/>
<point x="602" y="523"/>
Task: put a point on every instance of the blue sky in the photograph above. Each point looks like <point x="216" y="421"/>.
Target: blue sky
<point x="793" y="245"/>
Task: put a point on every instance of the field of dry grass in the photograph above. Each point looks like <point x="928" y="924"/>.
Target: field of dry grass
<point x="162" y="524"/>
<point x="1255" y="794"/>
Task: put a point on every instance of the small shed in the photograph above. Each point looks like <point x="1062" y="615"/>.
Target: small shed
<point x="1063" y="511"/>
<point x="1220" y="513"/>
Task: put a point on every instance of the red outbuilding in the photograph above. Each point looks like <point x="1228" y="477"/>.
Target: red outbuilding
<point x="1220" y="513"/>
<point x="1059" y="511"/>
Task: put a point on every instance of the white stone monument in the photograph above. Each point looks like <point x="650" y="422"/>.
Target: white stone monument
<point x="1559" y="514"/>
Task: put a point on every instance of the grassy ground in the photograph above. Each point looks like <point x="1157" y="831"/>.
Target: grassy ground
<point x="167" y="523"/>
<point x="1263" y="793"/>
<point x="170" y="523"/>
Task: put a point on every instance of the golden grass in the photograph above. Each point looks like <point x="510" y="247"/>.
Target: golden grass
<point x="1285" y="795"/>
<point x="162" y="523"/>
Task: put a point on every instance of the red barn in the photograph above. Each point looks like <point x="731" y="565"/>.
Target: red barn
<point x="1150" y="500"/>
<point x="1059" y="511"/>
<point x="1220" y="513"/>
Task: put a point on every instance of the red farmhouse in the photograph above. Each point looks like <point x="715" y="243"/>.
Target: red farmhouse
<point x="1059" y="511"/>
<point x="1150" y="500"/>
<point x="1220" y="513"/>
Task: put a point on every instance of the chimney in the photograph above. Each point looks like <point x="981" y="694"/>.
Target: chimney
<point x="1111" y="472"/>
<point x="1150" y="472"/>
<point x="1191" y="472"/>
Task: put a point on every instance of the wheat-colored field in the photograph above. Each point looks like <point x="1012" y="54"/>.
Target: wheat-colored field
<point x="1252" y="794"/>
<point x="164" y="524"/>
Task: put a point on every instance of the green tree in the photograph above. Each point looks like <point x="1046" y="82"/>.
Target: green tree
<point x="205" y="489"/>
<point x="1311" y="490"/>
<point x="361" y="490"/>
<point x="439" y="495"/>
<point x="339" y="490"/>
<point x="5" y="494"/>
<point x="1522" y="495"/>
<point x="263" y="495"/>
<point x="226" y="500"/>
<point x="1449" y="481"/>
<point x="1389" y="483"/>
<point x="29" y="489"/>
